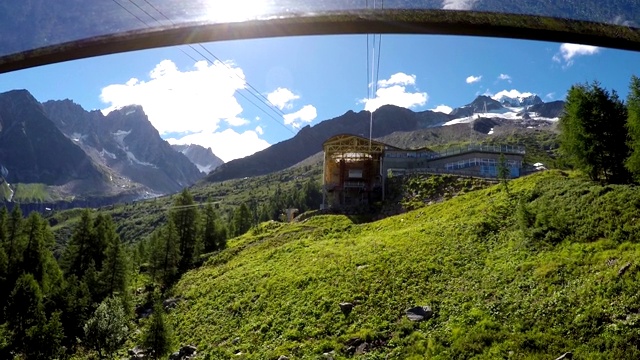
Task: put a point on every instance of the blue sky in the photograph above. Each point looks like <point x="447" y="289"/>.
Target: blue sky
<point x="314" y="78"/>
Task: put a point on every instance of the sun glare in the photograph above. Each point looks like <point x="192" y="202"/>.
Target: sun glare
<point x="235" y="10"/>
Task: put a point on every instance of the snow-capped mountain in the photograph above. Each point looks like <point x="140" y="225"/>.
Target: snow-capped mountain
<point x="516" y="99"/>
<point x="509" y="106"/>
<point x="126" y="144"/>
<point x="202" y="157"/>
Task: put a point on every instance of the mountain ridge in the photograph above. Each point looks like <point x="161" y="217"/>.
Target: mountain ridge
<point x="386" y="120"/>
<point x="125" y="141"/>
<point x="33" y="150"/>
<point x="201" y="157"/>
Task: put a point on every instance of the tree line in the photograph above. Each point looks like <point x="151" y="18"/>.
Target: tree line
<point x="600" y="134"/>
<point x="82" y="301"/>
<point x="49" y="304"/>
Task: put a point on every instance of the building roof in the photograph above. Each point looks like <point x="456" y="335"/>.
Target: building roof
<point x="355" y="143"/>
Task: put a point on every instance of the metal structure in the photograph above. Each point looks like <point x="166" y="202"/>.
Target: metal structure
<point x="355" y="169"/>
<point x="40" y="32"/>
<point x="352" y="170"/>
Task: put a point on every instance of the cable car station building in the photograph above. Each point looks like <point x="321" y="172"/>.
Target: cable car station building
<point x="355" y="169"/>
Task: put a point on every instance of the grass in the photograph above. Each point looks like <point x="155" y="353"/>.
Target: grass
<point x="528" y="275"/>
<point x="137" y="220"/>
<point x="5" y="191"/>
<point x="31" y="193"/>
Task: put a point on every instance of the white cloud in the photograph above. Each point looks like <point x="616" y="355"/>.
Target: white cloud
<point x="622" y="21"/>
<point x="282" y="98"/>
<point x="504" y="77"/>
<point x="178" y="101"/>
<point x="458" y="4"/>
<point x="305" y="115"/>
<point x="259" y="130"/>
<point x="235" y="121"/>
<point x="393" y="91"/>
<point x="568" y="52"/>
<point x="398" y="79"/>
<point x="227" y="144"/>
<point x="550" y="96"/>
<point x="473" y="79"/>
<point x="443" y="109"/>
<point x="513" y="93"/>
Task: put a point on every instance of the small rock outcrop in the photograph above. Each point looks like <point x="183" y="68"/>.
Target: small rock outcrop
<point x="565" y="356"/>
<point x="419" y="313"/>
<point x="346" y="308"/>
<point x="170" y="303"/>
<point x="329" y="355"/>
<point x="624" y="269"/>
<point x="137" y="353"/>
<point x="187" y="352"/>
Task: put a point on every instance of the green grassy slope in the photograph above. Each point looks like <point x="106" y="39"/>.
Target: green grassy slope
<point x="526" y="276"/>
<point x="137" y="220"/>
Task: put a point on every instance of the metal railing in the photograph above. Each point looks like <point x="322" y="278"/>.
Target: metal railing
<point x="498" y="149"/>
<point x="440" y="171"/>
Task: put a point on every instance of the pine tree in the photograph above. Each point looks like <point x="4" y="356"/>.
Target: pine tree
<point x="115" y="267"/>
<point x="593" y="133"/>
<point x="210" y="230"/>
<point x="633" y="126"/>
<point x="106" y="331"/>
<point x="76" y="258"/>
<point x="503" y="172"/>
<point x="4" y="223"/>
<point x="75" y="299"/>
<point x="4" y="261"/>
<point x="222" y="233"/>
<point x="184" y="216"/>
<point x="24" y="308"/>
<point x="33" y="257"/>
<point x="48" y="336"/>
<point x="14" y="232"/>
<point x="157" y="334"/>
<point x="165" y="256"/>
<point x="104" y="230"/>
<point x="241" y="220"/>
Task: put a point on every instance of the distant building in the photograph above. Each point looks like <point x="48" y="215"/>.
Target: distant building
<point x="355" y="169"/>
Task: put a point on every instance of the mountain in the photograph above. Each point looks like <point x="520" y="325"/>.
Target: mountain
<point x="203" y="158"/>
<point x="386" y="120"/>
<point x="34" y="150"/>
<point x="125" y="142"/>
<point x="479" y="105"/>
<point x="308" y="140"/>
<point x="547" y="110"/>
<point x="526" y="99"/>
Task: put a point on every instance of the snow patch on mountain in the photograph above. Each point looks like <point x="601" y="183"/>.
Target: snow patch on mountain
<point x="77" y="137"/>
<point x="119" y="136"/>
<point x="133" y="159"/>
<point x="105" y="153"/>
<point x="514" y="98"/>
<point x="205" y="169"/>
<point x="508" y="113"/>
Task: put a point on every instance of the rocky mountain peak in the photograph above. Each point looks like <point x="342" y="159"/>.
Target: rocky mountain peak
<point x="202" y="157"/>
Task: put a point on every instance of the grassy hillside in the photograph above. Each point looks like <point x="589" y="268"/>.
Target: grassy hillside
<point x="548" y="269"/>
<point x="137" y="220"/>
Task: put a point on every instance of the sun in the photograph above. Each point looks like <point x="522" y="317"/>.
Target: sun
<point x="235" y="10"/>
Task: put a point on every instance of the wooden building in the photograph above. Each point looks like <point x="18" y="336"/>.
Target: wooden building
<point x="355" y="168"/>
<point x="352" y="170"/>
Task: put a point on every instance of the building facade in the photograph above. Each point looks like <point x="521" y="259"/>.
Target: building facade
<point x="355" y="169"/>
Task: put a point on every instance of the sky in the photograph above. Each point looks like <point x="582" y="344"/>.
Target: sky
<point x="214" y="94"/>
